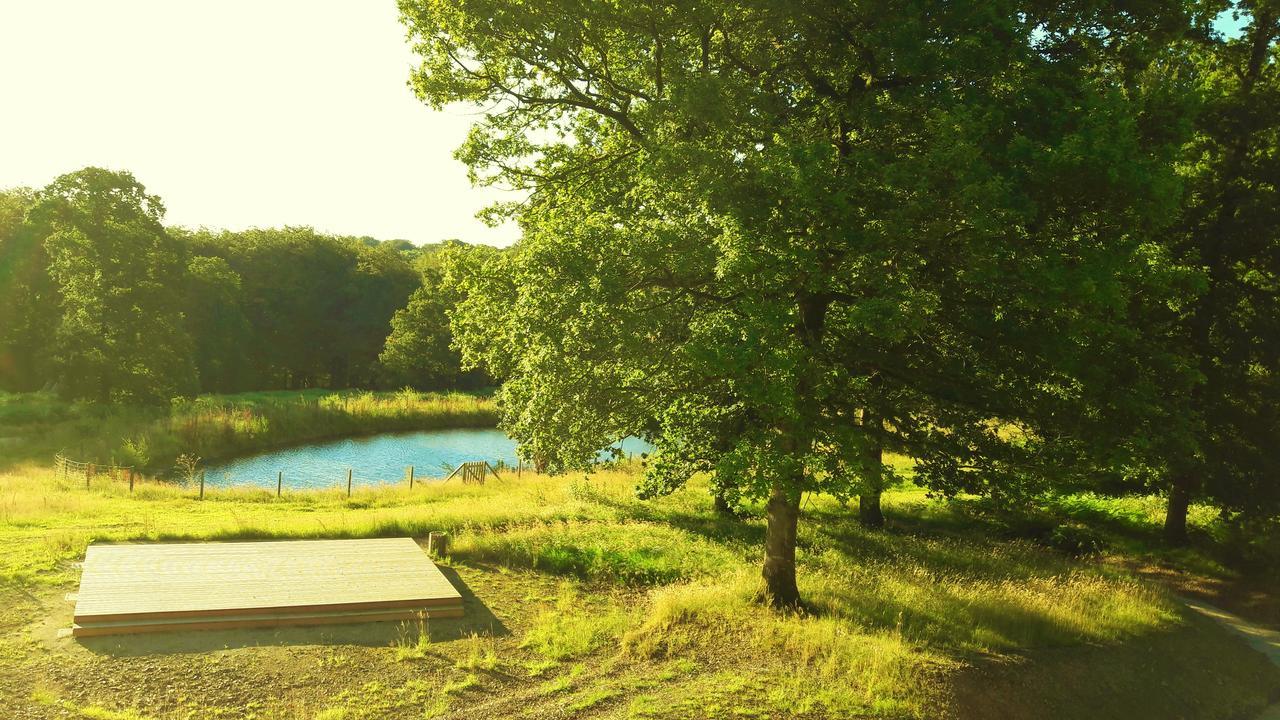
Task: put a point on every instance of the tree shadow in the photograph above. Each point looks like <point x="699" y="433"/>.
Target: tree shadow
<point x="477" y="619"/>
<point x="718" y="529"/>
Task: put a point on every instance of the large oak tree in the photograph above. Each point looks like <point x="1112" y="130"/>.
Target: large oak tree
<point x="778" y="238"/>
<point x="1219" y="437"/>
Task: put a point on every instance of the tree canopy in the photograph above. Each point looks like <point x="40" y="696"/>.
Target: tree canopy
<point x="778" y="238"/>
<point x="103" y="302"/>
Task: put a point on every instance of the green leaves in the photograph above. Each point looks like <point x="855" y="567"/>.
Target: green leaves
<point x="121" y="336"/>
<point x="752" y="226"/>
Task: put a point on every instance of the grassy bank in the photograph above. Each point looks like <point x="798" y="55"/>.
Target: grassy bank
<point x="585" y="602"/>
<point x="34" y="426"/>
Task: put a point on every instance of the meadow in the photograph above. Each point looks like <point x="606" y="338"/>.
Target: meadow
<point x="583" y="601"/>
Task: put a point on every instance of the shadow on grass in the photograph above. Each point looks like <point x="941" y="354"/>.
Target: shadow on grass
<point x="477" y="619"/>
<point x="718" y="529"/>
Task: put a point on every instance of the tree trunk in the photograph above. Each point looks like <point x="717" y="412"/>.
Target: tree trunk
<point x="869" y="513"/>
<point x="1175" y="519"/>
<point x="868" y="502"/>
<point x="783" y="513"/>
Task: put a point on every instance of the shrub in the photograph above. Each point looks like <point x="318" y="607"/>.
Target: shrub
<point x="1076" y="540"/>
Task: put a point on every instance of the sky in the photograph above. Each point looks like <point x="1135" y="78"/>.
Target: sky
<point x="239" y="113"/>
<point x="242" y="113"/>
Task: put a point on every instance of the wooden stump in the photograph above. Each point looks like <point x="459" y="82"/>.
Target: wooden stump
<point x="438" y="544"/>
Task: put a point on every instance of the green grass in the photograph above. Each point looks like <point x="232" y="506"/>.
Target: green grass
<point x="607" y="604"/>
<point x="462" y="684"/>
<point x="575" y="627"/>
<point x="34" y="426"/>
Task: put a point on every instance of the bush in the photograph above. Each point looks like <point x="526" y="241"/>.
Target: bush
<point x="1076" y="540"/>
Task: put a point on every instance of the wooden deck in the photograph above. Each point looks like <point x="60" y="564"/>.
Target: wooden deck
<point x="167" y="587"/>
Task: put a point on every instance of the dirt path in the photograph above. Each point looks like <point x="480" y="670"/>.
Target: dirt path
<point x="1259" y="638"/>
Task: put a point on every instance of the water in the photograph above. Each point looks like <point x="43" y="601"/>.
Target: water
<point x="374" y="460"/>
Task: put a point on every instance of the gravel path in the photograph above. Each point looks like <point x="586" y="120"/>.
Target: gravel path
<point x="1259" y="638"/>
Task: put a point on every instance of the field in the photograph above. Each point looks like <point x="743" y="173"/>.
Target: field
<point x="585" y="602"/>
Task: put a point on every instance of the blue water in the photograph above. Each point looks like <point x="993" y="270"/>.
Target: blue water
<point x="375" y="460"/>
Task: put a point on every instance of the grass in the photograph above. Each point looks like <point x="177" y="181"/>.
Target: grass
<point x="35" y="426"/>
<point x="413" y="641"/>
<point x="575" y="627"/>
<point x="467" y="682"/>
<point x="593" y="603"/>
<point x="481" y="654"/>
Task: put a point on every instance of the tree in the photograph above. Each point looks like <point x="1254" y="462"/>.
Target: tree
<point x="120" y="336"/>
<point x="318" y="307"/>
<point x="777" y="238"/>
<point x="1219" y="439"/>
<point x="217" y="324"/>
<point x="28" y="295"/>
<point x="418" y="351"/>
<point x="381" y="286"/>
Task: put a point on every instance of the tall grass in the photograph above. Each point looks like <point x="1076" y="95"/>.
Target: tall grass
<point x="34" y="426"/>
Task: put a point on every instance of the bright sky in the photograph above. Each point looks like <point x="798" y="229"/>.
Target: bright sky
<point x="238" y="113"/>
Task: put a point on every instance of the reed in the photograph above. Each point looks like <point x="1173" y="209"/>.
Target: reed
<point x="34" y="426"/>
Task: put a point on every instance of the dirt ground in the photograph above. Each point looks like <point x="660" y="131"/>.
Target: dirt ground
<point x="268" y="673"/>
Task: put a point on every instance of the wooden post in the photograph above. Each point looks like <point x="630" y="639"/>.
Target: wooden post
<point x="130" y="479"/>
<point x="348" y="482"/>
<point x="410" y="477"/>
<point x="519" y="469"/>
<point x="438" y="544"/>
<point x="279" y="482"/>
<point x="201" y="484"/>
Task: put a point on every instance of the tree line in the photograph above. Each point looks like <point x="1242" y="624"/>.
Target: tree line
<point x="101" y="301"/>
<point x="1032" y="246"/>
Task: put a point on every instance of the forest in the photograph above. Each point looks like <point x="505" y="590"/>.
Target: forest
<point x="104" y="302"/>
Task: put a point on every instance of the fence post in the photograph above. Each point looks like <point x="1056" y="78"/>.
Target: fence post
<point x="437" y="544"/>
<point x="410" y="477"/>
<point x="130" y="479"/>
<point x="348" y="482"/>
<point x="201" y="484"/>
<point x="279" y="482"/>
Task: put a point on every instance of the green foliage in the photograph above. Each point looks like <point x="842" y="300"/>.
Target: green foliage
<point x="311" y="309"/>
<point x="28" y="295"/>
<point x="109" y="305"/>
<point x="120" y="336"/>
<point x="1077" y="540"/>
<point x="418" y="351"/>
<point x="217" y="324"/>
<point x="778" y="252"/>
<point x="1213" y="377"/>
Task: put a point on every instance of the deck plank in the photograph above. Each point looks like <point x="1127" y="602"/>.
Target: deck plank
<point x="187" y="580"/>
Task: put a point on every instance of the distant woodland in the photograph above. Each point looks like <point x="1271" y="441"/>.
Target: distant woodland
<point x="102" y="301"/>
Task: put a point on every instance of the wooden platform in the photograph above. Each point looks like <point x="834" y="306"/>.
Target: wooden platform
<point x="203" y="586"/>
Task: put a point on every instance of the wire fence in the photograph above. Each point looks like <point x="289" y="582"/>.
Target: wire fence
<point x="67" y="468"/>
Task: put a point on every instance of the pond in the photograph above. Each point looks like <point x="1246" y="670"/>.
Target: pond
<point x="375" y="460"/>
